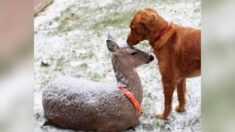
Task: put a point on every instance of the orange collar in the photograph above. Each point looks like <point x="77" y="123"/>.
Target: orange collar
<point x="162" y="33"/>
<point x="132" y="99"/>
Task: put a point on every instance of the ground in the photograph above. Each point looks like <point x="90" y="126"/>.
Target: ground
<point x="70" y="38"/>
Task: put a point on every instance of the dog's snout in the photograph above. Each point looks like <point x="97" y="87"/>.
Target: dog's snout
<point x="129" y="40"/>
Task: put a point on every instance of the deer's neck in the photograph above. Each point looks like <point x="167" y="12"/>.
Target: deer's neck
<point x="127" y="77"/>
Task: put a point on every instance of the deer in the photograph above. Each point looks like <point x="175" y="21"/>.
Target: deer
<point x="82" y="104"/>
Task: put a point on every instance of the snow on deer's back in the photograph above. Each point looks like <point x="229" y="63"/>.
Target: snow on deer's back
<point x="94" y="98"/>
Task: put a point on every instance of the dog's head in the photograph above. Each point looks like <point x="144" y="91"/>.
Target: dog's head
<point x="144" y="23"/>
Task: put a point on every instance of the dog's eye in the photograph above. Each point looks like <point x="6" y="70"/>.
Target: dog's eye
<point x="133" y="53"/>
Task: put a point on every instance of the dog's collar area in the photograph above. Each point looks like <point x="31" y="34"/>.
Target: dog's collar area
<point x="132" y="99"/>
<point x="162" y="32"/>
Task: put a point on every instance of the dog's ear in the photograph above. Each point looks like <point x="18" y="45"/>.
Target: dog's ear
<point x="112" y="46"/>
<point x="151" y="9"/>
<point x="148" y="19"/>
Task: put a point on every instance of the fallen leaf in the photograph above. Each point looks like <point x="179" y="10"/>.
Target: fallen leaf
<point x="37" y="115"/>
<point x="68" y="19"/>
<point x="149" y="95"/>
<point x="43" y="63"/>
<point x="109" y="69"/>
<point x="78" y="76"/>
<point x="196" y="10"/>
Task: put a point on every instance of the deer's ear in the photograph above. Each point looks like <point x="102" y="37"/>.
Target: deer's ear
<point x="112" y="46"/>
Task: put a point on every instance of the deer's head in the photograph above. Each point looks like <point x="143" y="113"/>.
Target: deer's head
<point x="129" y="56"/>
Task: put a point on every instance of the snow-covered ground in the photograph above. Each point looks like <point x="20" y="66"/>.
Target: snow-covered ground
<point x="70" y="35"/>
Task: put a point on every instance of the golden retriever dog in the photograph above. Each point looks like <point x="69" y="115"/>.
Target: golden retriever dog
<point x="177" y="48"/>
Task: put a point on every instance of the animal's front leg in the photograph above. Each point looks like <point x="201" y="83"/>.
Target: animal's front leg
<point x="168" y="87"/>
<point x="181" y="90"/>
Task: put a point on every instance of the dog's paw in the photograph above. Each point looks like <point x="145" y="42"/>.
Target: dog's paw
<point x="161" y="116"/>
<point x="179" y="109"/>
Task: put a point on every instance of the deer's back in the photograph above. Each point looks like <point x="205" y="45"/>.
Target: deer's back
<point x="82" y="104"/>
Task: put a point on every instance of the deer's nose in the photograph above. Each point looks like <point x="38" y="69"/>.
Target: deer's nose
<point x="151" y="58"/>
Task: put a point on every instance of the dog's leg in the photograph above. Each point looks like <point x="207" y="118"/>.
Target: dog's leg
<point x="181" y="90"/>
<point x="169" y="86"/>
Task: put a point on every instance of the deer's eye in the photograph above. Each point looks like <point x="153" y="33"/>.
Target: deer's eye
<point x="134" y="53"/>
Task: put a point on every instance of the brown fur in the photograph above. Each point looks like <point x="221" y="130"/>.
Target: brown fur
<point x="178" y="52"/>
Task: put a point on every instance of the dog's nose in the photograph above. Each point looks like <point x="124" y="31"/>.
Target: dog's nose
<point x="128" y="41"/>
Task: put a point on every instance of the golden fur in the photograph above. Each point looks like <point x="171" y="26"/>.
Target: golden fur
<point x="178" y="52"/>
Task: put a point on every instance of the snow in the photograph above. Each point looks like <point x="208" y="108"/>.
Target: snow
<point x="76" y="91"/>
<point x="89" y="90"/>
<point x="79" y="46"/>
<point x="121" y="44"/>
